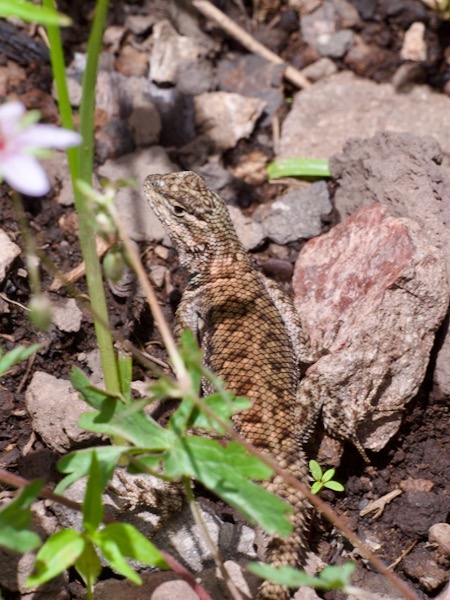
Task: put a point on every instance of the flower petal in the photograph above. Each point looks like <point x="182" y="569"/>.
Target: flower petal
<point x="48" y="136"/>
<point x="24" y="174"/>
<point x="10" y="115"/>
<point x="11" y="110"/>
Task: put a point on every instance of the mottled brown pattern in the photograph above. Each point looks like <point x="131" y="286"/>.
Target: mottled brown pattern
<point x="247" y="340"/>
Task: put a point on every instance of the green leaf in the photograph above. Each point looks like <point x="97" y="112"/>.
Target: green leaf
<point x="299" y="167"/>
<point x="316" y="470"/>
<point x="222" y="407"/>
<point x="284" y="575"/>
<point x="190" y="352"/>
<point x="15" y="518"/>
<point x="335" y="485"/>
<point x="316" y="487"/>
<point x="226" y="470"/>
<point x="337" y="577"/>
<point x="328" y="475"/>
<point x="111" y="417"/>
<point x="32" y="13"/>
<point x="77" y="464"/>
<point x="88" y="564"/>
<point x="125" y="375"/>
<point x="60" y="551"/>
<point x="331" y="578"/>
<point x="92" y="504"/>
<point x="18" y="540"/>
<point x="15" y="356"/>
<point x="118" y="540"/>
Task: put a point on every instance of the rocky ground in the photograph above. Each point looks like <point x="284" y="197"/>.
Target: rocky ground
<point x="176" y="92"/>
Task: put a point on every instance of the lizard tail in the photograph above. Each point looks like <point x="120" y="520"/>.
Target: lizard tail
<point x="290" y="551"/>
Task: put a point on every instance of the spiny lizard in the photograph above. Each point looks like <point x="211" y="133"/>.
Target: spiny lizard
<point x="250" y="335"/>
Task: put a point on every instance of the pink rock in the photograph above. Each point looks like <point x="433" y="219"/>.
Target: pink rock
<point x="371" y="294"/>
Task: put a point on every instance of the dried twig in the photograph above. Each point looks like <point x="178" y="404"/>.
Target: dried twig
<point x="248" y="41"/>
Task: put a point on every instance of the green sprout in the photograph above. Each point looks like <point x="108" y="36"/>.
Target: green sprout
<point x="323" y="480"/>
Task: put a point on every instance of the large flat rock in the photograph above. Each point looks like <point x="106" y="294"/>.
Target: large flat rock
<point x="325" y="116"/>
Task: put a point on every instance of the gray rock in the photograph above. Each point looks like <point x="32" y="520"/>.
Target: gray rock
<point x="414" y="46"/>
<point x="414" y="185"/>
<point x="374" y="584"/>
<point x="439" y="534"/>
<point x="137" y="217"/>
<point x="296" y="215"/>
<point x="327" y="28"/>
<point x="66" y="315"/>
<point x="419" y="565"/>
<point x="343" y="106"/>
<point x="251" y="75"/>
<point x="371" y="294"/>
<point x="336" y="44"/>
<point x="174" y="590"/>
<point x="249" y="232"/>
<point x="324" y="67"/>
<point x="183" y="539"/>
<point x="114" y="589"/>
<point x="226" y="118"/>
<point x="8" y="252"/>
<point x="55" y="408"/>
<point x="179" y="60"/>
<point x="143" y="119"/>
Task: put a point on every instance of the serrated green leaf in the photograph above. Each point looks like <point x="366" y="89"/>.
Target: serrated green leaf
<point x="92" y="504"/>
<point x="335" y="485"/>
<point x="77" y="464"/>
<point x="32" y="13"/>
<point x="316" y="487"/>
<point x="316" y="470"/>
<point x="299" y="167"/>
<point x="16" y="355"/>
<point x="328" y="475"/>
<point x="60" y="551"/>
<point x="226" y="470"/>
<point x="15" y="518"/>
<point x="118" y="540"/>
<point x="88" y="565"/>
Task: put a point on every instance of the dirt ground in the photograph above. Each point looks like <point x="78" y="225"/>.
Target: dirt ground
<point x="417" y="460"/>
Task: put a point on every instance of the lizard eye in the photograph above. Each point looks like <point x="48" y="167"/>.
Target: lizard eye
<point x="178" y="210"/>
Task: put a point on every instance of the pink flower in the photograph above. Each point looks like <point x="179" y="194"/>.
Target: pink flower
<point x="20" y="141"/>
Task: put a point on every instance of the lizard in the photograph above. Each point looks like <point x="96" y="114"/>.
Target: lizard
<point x="250" y="335"/>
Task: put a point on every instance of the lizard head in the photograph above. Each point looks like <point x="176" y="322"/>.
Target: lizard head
<point x="195" y="218"/>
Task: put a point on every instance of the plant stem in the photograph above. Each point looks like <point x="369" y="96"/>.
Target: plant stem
<point x="86" y="232"/>
<point x="81" y="166"/>
<point x="235" y="594"/>
<point x="59" y="73"/>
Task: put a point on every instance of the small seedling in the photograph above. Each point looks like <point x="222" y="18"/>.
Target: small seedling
<point x="323" y="480"/>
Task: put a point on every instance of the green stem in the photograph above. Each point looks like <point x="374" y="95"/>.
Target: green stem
<point x="81" y="167"/>
<point x="86" y="232"/>
<point x="59" y="73"/>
